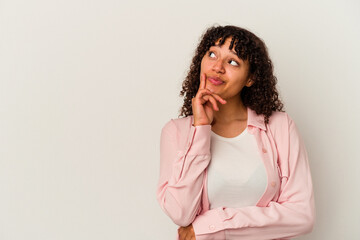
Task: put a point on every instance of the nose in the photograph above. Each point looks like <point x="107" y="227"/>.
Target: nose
<point x="218" y="66"/>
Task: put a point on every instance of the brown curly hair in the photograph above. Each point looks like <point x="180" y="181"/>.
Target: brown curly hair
<point x="262" y="96"/>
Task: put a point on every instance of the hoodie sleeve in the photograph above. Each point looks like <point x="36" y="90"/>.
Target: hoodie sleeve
<point x="182" y="168"/>
<point x="293" y="214"/>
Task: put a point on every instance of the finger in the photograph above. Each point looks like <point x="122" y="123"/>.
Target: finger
<point x="212" y="100"/>
<point x="180" y="230"/>
<point x="190" y="235"/>
<point x="205" y="96"/>
<point x="216" y="96"/>
<point x="187" y="236"/>
<point x="220" y="99"/>
<point x="209" y="105"/>
<point x="202" y="81"/>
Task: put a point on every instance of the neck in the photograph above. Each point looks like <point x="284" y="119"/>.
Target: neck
<point x="233" y="110"/>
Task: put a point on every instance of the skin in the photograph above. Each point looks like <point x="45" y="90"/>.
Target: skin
<point x="186" y="233"/>
<point x="229" y="118"/>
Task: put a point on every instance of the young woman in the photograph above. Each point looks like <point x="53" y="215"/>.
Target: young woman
<point x="234" y="166"/>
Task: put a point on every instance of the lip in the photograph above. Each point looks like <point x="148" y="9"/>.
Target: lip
<point x="215" y="80"/>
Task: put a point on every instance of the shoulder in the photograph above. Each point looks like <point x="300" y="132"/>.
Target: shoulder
<point x="177" y="130"/>
<point x="277" y="119"/>
<point x="178" y="125"/>
<point x="282" y="126"/>
<point x="280" y="122"/>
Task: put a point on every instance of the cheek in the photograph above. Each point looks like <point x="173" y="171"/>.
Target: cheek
<point x="239" y="77"/>
<point x="205" y="64"/>
<point x="239" y="81"/>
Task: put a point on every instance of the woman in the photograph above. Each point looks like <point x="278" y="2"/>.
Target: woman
<point x="234" y="167"/>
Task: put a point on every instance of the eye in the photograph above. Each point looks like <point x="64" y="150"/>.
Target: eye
<point x="211" y="54"/>
<point x="234" y="63"/>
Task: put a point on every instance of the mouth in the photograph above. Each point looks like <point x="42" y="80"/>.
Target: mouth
<point x="215" y="80"/>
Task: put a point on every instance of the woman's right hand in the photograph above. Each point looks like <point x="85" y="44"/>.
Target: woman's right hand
<point x="204" y="104"/>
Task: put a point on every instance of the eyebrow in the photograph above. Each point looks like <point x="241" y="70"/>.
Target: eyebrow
<point x="231" y="51"/>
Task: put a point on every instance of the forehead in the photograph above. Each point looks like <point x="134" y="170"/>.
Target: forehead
<point x="233" y="44"/>
<point x="227" y="42"/>
<point x="227" y="39"/>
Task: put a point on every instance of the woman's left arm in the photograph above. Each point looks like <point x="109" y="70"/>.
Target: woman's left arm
<point x="292" y="215"/>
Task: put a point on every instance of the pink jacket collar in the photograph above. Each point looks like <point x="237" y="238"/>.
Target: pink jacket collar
<point x="255" y="119"/>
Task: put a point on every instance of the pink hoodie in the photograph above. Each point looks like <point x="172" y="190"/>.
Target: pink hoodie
<point x="286" y="208"/>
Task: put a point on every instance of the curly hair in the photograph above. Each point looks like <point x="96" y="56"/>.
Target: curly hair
<point x="262" y="96"/>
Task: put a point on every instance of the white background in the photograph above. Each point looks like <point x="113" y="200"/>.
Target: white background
<point x="86" y="86"/>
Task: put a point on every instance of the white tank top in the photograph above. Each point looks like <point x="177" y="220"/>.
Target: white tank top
<point x="236" y="174"/>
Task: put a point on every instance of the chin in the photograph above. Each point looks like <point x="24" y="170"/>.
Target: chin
<point x="211" y="89"/>
<point x="214" y="90"/>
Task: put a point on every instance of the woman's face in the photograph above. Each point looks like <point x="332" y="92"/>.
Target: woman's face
<point x="226" y="74"/>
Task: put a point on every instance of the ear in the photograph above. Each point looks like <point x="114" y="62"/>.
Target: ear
<point x="249" y="82"/>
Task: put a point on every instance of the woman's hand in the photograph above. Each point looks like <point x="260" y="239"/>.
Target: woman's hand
<point x="203" y="104"/>
<point x="186" y="233"/>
